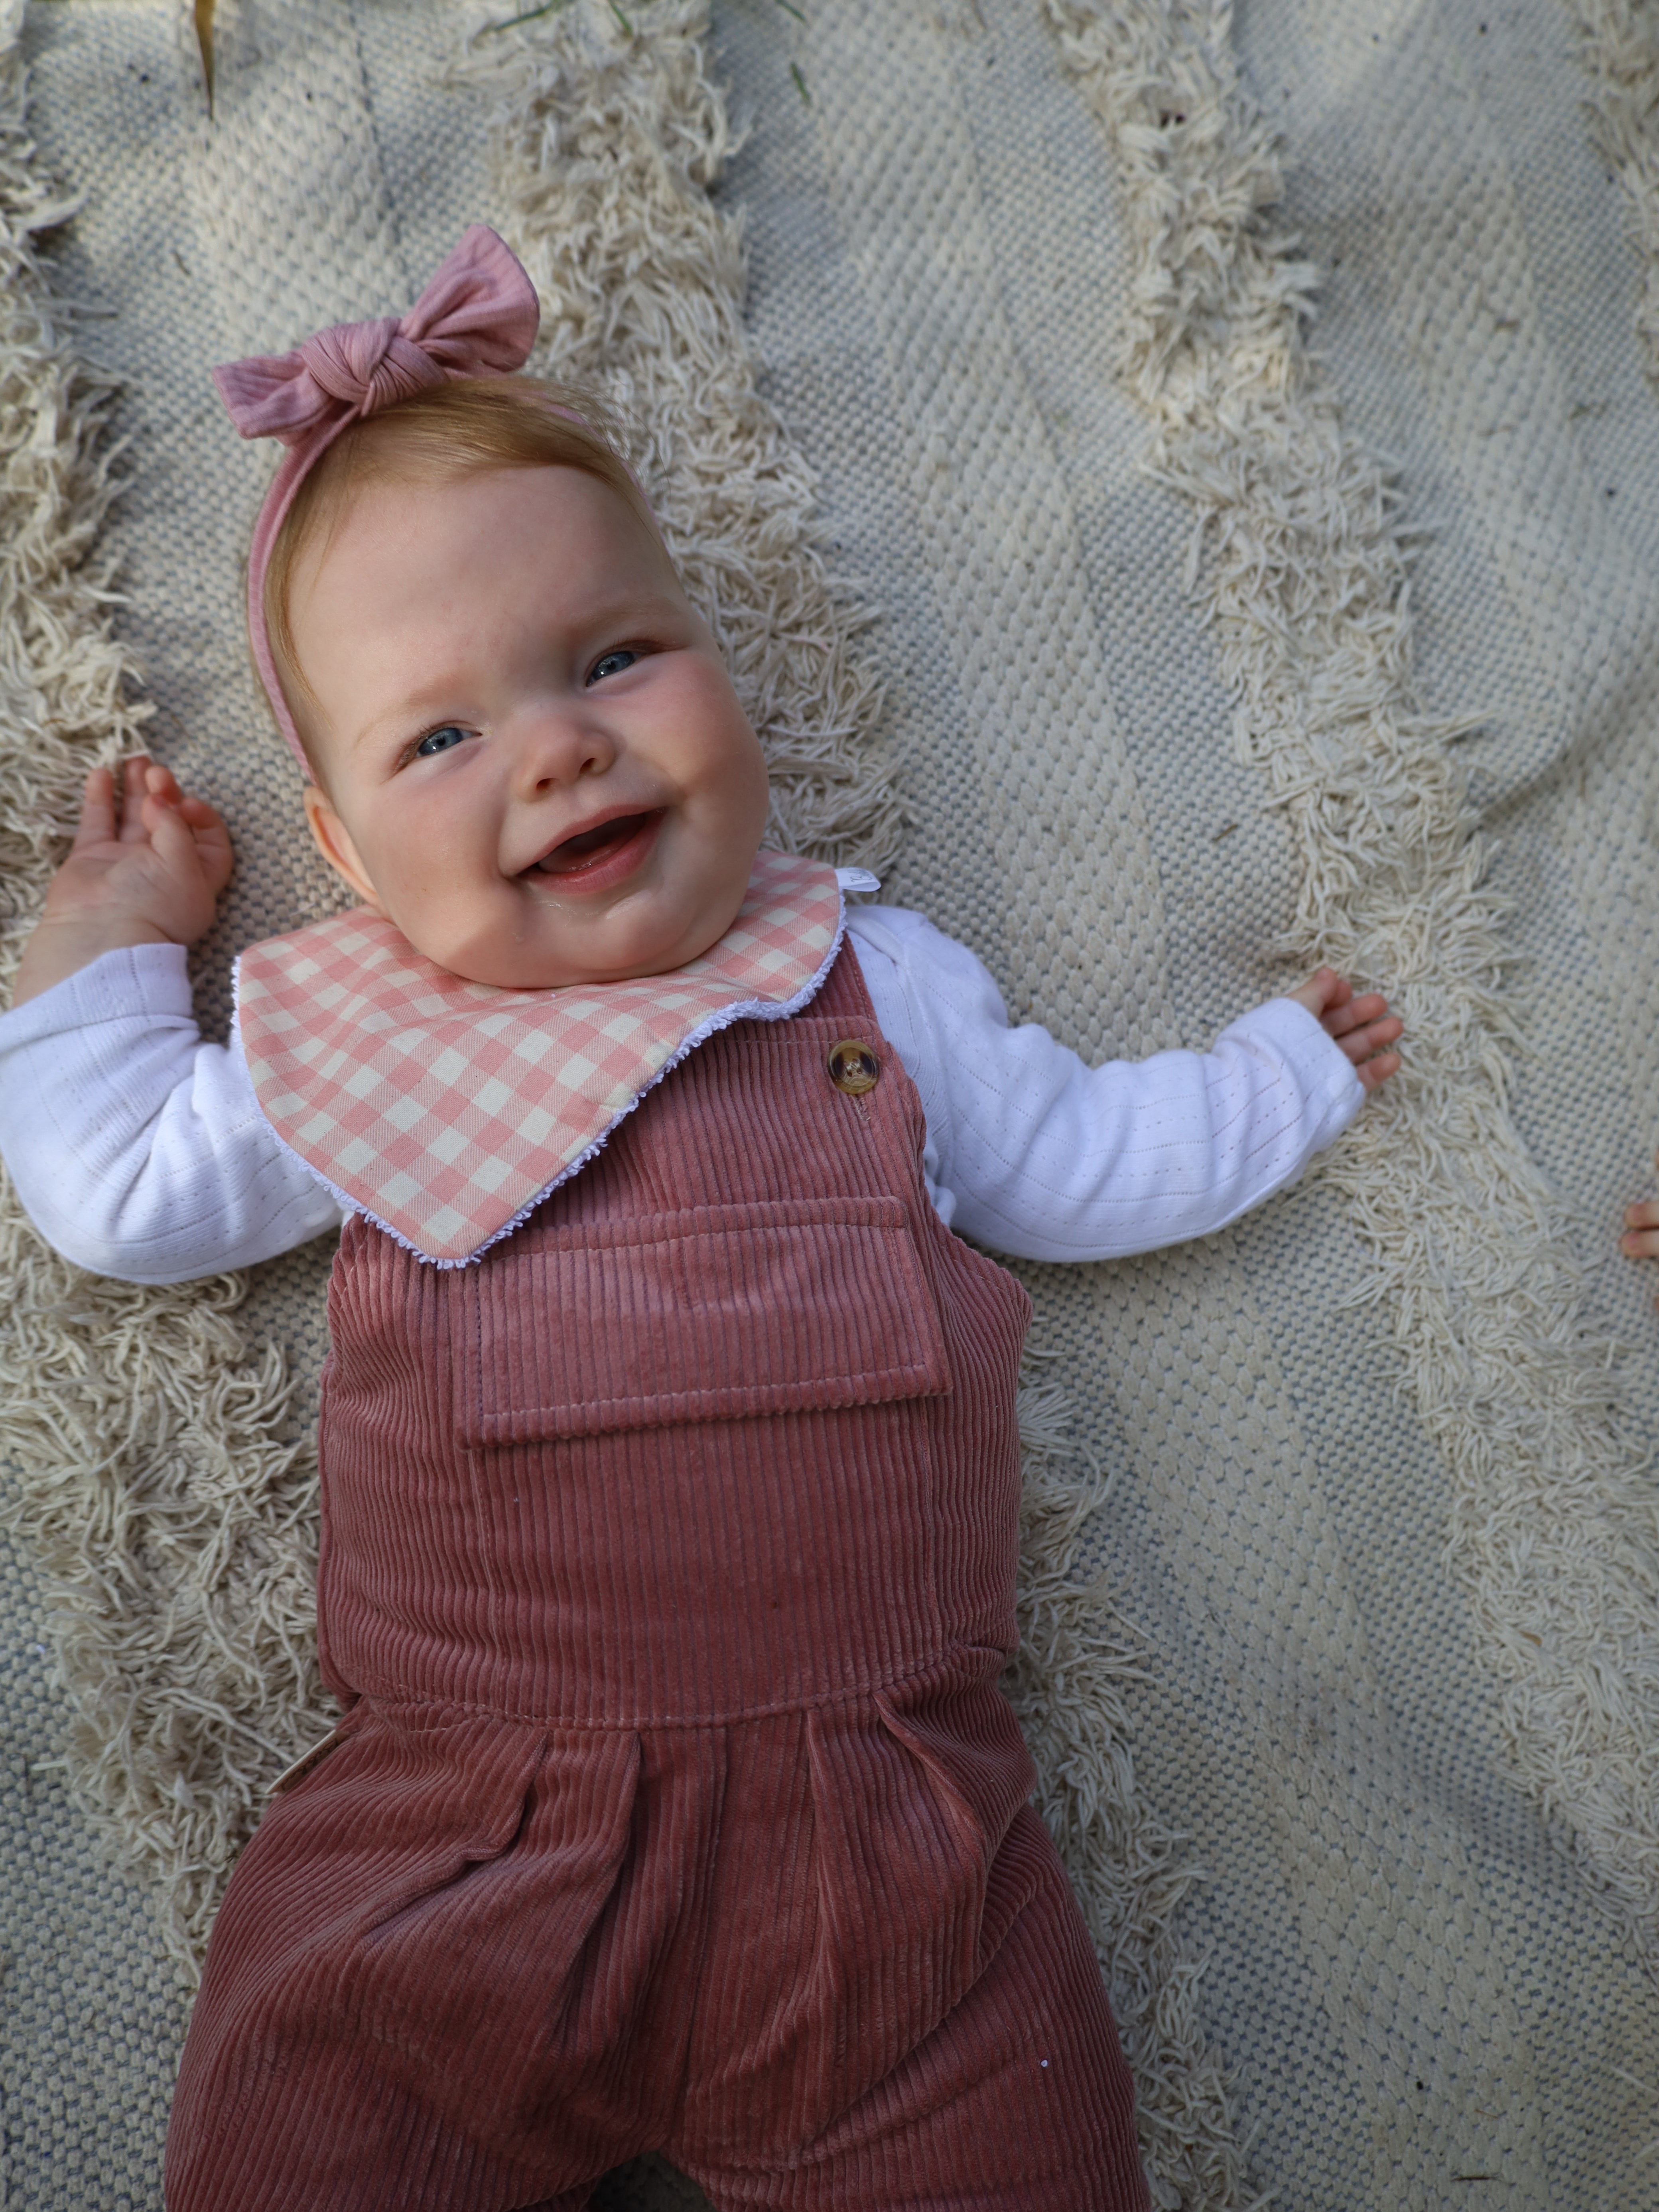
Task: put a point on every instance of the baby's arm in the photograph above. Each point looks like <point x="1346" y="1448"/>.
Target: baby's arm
<point x="1036" y="1154"/>
<point x="1641" y="1239"/>
<point x="138" y="1151"/>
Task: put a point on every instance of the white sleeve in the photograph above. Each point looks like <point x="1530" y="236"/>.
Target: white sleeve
<point x="138" y="1151"/>
<point x="1033" y="1153"/>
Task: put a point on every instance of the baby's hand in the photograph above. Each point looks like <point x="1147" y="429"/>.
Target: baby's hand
<point x="1363" y="1027"/>
<point x="153" y="878"/>
<point x="1641" y="1239"/>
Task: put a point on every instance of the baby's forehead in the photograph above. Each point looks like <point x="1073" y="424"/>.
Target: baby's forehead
<point x="429" y="582"/>
<point x="490" y="514"/>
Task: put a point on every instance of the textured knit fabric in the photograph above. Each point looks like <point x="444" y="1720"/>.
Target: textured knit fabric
<point x="668" y="1570"/>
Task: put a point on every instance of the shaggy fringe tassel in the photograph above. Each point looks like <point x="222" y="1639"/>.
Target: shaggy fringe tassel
<point x="139" y="1433"/>
<point x="610" y="138"/>
<point x="1067" y="1684"/>
<point x="1618" y="47"/>
<point x="1297" y="563"/>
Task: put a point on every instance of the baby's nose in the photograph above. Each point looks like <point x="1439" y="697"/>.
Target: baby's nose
<point x="556" y="744"/>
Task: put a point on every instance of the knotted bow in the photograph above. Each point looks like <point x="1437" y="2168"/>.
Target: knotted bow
<point x="476" y="317"/>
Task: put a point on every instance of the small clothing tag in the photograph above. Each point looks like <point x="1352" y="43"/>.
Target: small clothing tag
<point x="446" y="1111"/>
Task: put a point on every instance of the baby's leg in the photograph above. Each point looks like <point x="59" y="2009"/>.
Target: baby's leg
<point x="1020" y="2101"/>
<point x="428" y="1987"/>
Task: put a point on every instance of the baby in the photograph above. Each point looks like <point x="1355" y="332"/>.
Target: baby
<point x="670" y="1476"/>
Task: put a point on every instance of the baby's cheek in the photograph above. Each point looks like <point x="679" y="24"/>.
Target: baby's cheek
<point x="430" y="892"/>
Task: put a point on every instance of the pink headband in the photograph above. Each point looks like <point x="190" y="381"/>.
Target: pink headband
<point x="476" y="317"/>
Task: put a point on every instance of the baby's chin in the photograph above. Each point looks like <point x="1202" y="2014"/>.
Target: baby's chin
<point x="549" y="961"/>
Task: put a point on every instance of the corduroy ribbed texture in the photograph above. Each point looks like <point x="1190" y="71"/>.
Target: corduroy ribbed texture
<point x="668" y="1570"/>
<point x="760" y="1407"/>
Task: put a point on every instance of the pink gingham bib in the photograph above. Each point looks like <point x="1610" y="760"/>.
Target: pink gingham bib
<point x="446" y="1111"/>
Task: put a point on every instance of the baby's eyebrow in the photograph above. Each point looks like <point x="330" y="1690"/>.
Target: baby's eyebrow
<point x="398" y="726"/>
<point x="391" y="720"/>
<point x="621" y="608"/>
<point x="439" y="697"/>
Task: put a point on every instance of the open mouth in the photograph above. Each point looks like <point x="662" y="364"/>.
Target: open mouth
<point x="603" y="854"/>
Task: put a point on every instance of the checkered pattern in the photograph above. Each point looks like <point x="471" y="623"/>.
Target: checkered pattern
<point x="445" y="1109"/>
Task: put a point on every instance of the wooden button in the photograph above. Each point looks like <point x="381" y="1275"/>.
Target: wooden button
<point x="854" y="1067"/>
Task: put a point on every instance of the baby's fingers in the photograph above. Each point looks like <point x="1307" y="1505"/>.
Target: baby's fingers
<point x="1641" y="1239"/>
<point x="159" y="782"/>
<point x="135" y="775"/>
<point x="97" y="823"/>
<point x="1360" y="1043"/>
<point x="171" y="836"/>
<point x="1378" y="1070"/>
<point x="213" y="847"/>
<point x="1354" y="1014"/>
<point x="1320" y="993"/>
<point x="1363" y="1027"/>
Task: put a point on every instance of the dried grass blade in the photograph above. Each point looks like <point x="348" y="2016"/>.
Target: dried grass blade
<point x="204" y="41"/>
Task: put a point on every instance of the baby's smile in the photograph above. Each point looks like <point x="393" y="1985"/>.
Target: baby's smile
<point x="606" y="852"/>
<point x="529" y="755"/>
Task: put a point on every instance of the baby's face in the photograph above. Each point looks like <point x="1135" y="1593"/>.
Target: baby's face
<point x="531" y="758"/>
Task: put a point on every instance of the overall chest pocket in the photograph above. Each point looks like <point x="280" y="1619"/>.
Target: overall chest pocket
<point x="717" y="1313"/>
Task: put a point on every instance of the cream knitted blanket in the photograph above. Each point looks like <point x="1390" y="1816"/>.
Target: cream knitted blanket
<point x="1195" y="646"/>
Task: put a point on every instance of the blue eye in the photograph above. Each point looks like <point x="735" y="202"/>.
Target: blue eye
<point x="440" y="741"/>
<point x="611" y="664"/>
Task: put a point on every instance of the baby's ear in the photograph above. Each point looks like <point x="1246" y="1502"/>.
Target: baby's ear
<point x="333" y="840"/>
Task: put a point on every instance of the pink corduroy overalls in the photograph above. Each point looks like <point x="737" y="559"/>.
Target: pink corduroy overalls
<point x="668" y="1574"/>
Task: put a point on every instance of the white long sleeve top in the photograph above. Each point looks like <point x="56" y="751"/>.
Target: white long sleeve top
<point x="142" y="1152"/>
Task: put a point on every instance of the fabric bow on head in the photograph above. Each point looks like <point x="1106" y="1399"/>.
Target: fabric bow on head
<point x="476" y="317"/>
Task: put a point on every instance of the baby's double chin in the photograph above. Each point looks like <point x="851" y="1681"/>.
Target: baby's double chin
<point x="535" y="957"/>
